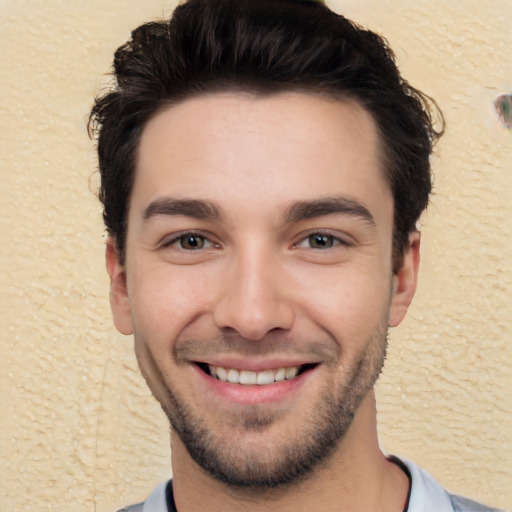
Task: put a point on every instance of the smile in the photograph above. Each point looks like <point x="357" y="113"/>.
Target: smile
<point x="251" y="378"/>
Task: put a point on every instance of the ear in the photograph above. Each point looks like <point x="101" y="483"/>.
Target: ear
<point x="119" y="300"/>
<point x="405" y="280"/>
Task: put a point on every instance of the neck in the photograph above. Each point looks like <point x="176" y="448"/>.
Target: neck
<point x="356" y="477"/>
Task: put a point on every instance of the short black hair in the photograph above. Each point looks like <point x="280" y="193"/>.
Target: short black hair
<point x="263" y="47"/>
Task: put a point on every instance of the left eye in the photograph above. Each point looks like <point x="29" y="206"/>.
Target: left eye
<point x="319" y="241"/>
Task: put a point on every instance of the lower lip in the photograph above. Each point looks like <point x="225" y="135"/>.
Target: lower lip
<point x="254" y="394"/>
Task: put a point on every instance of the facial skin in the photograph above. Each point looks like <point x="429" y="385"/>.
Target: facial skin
<point x="259" y="237"/>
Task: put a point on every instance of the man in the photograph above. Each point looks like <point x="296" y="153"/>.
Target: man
<point x="263" y="169"/>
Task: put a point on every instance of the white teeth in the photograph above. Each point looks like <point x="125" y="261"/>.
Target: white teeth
<point x="222" y="374"/>
<point x="291" y="372"/>
<point x="247" y="377"/>
<point x="233" y="376"/>
<point x="266" y="377"/>
<point x="280" y="374"/>
<point x="250" y="378"/>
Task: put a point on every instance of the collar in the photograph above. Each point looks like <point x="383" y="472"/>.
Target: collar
<point x="426" y="494"/>
<point x="156" y="501"/>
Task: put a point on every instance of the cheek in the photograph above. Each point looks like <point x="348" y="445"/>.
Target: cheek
<point x="165" y="301"/>
<point x="350" y="303"/>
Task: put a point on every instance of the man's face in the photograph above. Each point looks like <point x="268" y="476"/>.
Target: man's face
<point x="258" y="278"/>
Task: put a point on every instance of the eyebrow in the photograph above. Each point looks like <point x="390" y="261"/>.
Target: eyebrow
<point x="298" y="211"/>
<point x="304" y="210"/>
<point x="194" y="208"/>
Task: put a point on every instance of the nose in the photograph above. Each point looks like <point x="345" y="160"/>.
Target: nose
<point x="255" y="297"/>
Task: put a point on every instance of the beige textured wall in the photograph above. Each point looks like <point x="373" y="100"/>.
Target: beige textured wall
<point x="79" y="431"/>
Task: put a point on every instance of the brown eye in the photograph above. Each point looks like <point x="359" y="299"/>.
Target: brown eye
<point x="320" y="241"/>
<point x="191" y="242"/>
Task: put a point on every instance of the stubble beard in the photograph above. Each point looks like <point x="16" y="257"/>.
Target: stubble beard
<point x="301" y="449"/>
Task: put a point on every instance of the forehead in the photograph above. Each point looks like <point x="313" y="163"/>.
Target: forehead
<point x="263" y="152"/>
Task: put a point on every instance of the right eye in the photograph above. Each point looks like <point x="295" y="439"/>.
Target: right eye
<point x="191" y="242"/>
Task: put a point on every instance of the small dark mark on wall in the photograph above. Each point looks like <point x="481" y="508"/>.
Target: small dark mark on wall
<point x="503" y="106"/>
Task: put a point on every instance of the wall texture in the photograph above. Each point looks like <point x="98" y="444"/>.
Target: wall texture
<point x="79" y="430"/>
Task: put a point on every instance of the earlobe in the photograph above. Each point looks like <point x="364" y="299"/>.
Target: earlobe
<point x="119" y="300"/>
<point x="405" y="280"/>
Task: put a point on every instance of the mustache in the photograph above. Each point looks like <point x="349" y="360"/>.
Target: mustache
<point x="194" y="349"/>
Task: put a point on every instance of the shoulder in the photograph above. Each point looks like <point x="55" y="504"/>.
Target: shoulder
<point x="461" y="504"/>
<point x="133" y="508"/>
<point x="427" y="495"/>
<point x="156" y="501"/>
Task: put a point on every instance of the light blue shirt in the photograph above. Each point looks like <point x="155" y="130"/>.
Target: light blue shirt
<point x="426" y="496"/>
